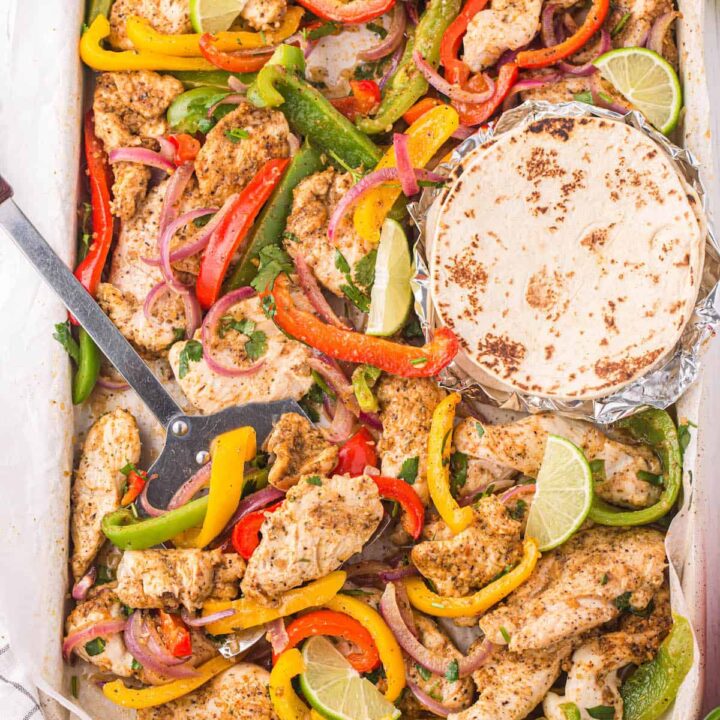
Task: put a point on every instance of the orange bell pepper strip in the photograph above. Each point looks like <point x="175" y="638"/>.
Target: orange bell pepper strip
<point x="452" y="38"/>
<point x="477" y="114"/>
<point x="365" y="99"/>
<point x="235" y="63"/>
<point x="175" y="636"/>
<point x="136" y="480"/>
<point x="549" y="56"/>
<point x="420" y="108"/>
<point x="343" y="344"/>
<point x="186" y="147"/>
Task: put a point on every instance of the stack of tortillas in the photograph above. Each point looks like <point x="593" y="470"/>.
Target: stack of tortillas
<point x="567" y="257"/>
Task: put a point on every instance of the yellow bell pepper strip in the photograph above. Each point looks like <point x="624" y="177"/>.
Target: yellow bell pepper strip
<point x="146" y="39"/>
<point x="425" y="600"/>
<point x="229" y="452"/>
<point x="160" y="694"/>
<point x="286" y="703"/>
<point x="97" y="57"/>
<point x="438" y="474"/>
<point x="387" y="646"/>
<point x="425" y="137"/>
<point x="249" y="613"/>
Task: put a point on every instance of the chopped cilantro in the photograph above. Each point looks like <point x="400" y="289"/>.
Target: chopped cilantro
<point x="365" y="270"/>
<point x="649" y="477"/>
<point x="74" y="686"/>
<point x="479" y="429"/>
<point x="356" y="297"/>
<point x="292" y="237"/>
<point x="604" y="579"/>
<point x="192" y="352"/>
<point x="684" y="435"/>
<point x="228" y="322"/>
<point x="585" y="97"/>
<point x="571" y="711"/>
<point x="203" y="220"/>
<point x="63" y="335"/>
<point x="314" y="480"/>
<point x="104" y="575"/>
<point x="378" y="29"/>
<point x="256" y="346"/>
<point x="273" y="261"/>
<point x="328" y="28"/>
<point x="419" y="362"/>
<point x="127" y="469"/>
<point x="597" y="468"/>
<point x="95" y="647"/>
<point x="620" y="24"/>
<point x="236" y="135"/>
<point x="309" y="402"/>
<point x="505" y="634"/>
<point x="601" y="712"/>
<point x="320" y="383"/>
<point x="517" y="512"/>
<point x="268" y="306"/>
<point x="136" y="665"/>
<point x="458" y="471"/>
<point x="341" y="263"/>
<point x="453" y="672"/>
<point x="622" y="603"/>
<point x="409" y="470"/>
<point x="412" y="328"/>
<point x="423" y="672"/>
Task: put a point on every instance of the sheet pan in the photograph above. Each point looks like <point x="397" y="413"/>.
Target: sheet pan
<point x="40" y="112"/>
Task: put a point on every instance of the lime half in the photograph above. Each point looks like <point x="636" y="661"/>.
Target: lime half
<point x="391" y="296"/>
<point x="214" y="15"/>
<point x="336" y="690"/>
<point x="563" y="494"/>
<point x="646" y="80"/>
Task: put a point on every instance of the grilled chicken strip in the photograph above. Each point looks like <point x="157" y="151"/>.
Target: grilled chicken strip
<point x="321" y="523"/>
<point x="130" y="111"/>
<point x="111" y="443"/>
<point x="299" y="449"/>
<point x="581" y="585"/>
<point x="406" y="409"/>
<point x="521" y="445"/>
<point x="460" y="564"/>
<point x="593" y="676"/>
<point x="314" y="200"/>
<point x="239" y="693"/>
<point x="283" y="374"/>
<point x="512" y="684"/>
<point x="506" y="25"/>
<point x="170" y="578"/>
<point x="643" y="14"/>
<point x="226" y="164"/>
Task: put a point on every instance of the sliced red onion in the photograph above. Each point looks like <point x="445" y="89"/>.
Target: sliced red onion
<point x="336" y="379"/>
<point x="371" y="420"/>
<point x="569" y="23"/>
<point x="191" y="487"/>
<point x="109" y="384"/>
<point x="596" y="90"/>
<point x="428" y="702"/>
<point x="454" y="92"/>
<point x="506" y="57"/>
<point x="152" y="298"/>
<point x="533" y="82"/>
<point x="156" y="645"/>
<point x="588" y="68"/>
<point x="173" y="192"/>
<point x="236" y="85"/>
<point x="328" y="407"/>
<point x="196" y="622"/>
<point x="167" y="149"/>
<point x="193" y="312"/>
<point x="342" y="424"/>
<point x="310" y="287"/>
<point x="392" y="39"/>
<point x="412" y="11"/>
<point x="149" y="509"/>
<point x="209" y="329"/>
<point x="277" y="636"/>
<point x="366" y="568"/>
<point x="463" y="132"/>
<point x="547" y="27"/>
<point x="517" y="491"/>
<point x="406" y="611"/>
<point x="256" y="501"/>
<point x="399" y="573"/>
<point x="412" y="646"/>
<point x="232" y="99"/>
<point x="84" y="636"/>
<point x="392" y="67"/>
<point x="408" y="181"/>
<point x="142" y="156"/>
<point x="81" y="587"/>
<point x="656" y="37"/>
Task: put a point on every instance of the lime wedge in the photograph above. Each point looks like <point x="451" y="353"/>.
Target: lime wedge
<point x="214" y="15"/>
<point x="563" y="494"/>
<point x="336" y="690"/>
<point x="647" y="80"/>
<point x="391" y="296"/>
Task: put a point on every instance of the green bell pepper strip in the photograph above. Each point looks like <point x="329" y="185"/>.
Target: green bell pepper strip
<point x="270" y="225"/>
<point x="217" y="79"/>
<point x="407" y="85"/>
<point x="648" y="692"/>
<point x="123" y="530"/>
<point x="655" y="428"/>
<point x="311" y="115"/>
<point x="88" y="369"/>
<point x="290" y="57"/>
<point x="188" y="113"/>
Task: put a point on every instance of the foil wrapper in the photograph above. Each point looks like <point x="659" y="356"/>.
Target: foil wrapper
<point x="660" y="387"/>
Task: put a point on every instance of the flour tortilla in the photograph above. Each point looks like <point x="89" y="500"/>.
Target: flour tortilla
<point x="567" y="257"/>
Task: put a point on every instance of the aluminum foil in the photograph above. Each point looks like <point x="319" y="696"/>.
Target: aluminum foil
<point x="660" y="387"/>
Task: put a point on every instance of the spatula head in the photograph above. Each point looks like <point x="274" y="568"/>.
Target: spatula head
<point x="189" y="438"/>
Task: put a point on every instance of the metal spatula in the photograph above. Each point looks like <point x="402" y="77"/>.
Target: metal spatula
<point x="188" y="437"/>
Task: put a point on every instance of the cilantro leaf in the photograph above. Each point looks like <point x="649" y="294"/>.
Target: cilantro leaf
<point x="409" y="470"/>
<point x="273" y="261"/>
<point x="458" y="471"/>
<point x="63" y="335"/>
<point x="314" y="480"/>
<point x="256" y="346"/>
<point x="341" y="263"/>
<point x="601" y="712"/>
<point x="378" y="29"/>
<point x="365" y="270"/>
<point x="192" y="352"/>
<point x="423" y="672"/>
<point x="356" y="297"/>
<point x="236" y="135"/>
<point x="453" y="672"/>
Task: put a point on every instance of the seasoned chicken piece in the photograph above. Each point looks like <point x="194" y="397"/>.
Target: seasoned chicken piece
<point x="406" y="409"/>
<point x="111" y="443"/>
<point x="130" y="111"/>
<point x="263" y="14"/>
<point x="226" y="163"/>
<point x="568" y="88"/>
<point x="283" y="374"/>
<point x="321" y="523"/>
<point x="170" y="17"/>
<point x="512" y="684"/>
<point x="506" y="25"/>
<point x="299" y="449"/>
<point x="454" y="695"/>
<point x="314" y="200"/>
<point x="170" y="578"/>
<point x="593" y="676"/>
<point x="460" y="564"/>
<point x="102" y="605"/>
<point x="643" y="14"/>
<point x="521" y="445"/>
<point x="581" y="585"/>
<point x="239" y="693"/>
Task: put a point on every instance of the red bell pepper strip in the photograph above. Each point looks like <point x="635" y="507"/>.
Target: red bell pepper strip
<point x="246" y="533"/>
<point x="175" y="636"/>
<point x="452" y="38"/>
<point x="343" y="344"/>
<point x="420" y="108"/>
<point x="476" y="114"/>
<point x="226" y="239"/>
<point x="136" y="480"/>
<point x="349" y="13"/>
<point x="398" y="490"/>
<point x="364" y="100"/>
<point x="186" y="148"/>
<point x="356" y="454"/>
<point x="235" y="63"/>
<point x="335" y="624"/>
<point x="89" y="271"/>
<point x="550" y="55"/>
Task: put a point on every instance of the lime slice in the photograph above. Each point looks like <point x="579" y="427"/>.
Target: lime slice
<point x="646" y="80"/>
<point x="391" y="296"/>
<point x="563" y="494"/>
<point x="336" y="690"/>
<point x="213" y="15"/>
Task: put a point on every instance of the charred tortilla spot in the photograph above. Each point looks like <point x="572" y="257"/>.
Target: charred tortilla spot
<point x="559" y="128"/>
<point x="620" y="371"/>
